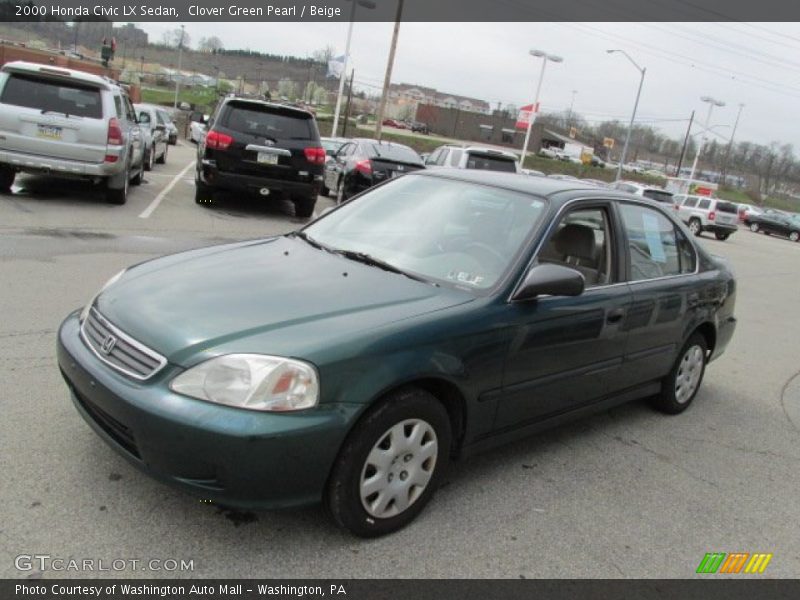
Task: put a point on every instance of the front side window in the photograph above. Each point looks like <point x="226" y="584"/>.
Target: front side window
<point x="656" y="247"/>
<point x="454" y="232"/>
<point x="581" y="241"/>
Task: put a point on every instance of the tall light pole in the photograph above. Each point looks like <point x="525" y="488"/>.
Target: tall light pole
<point x="571" y="105"/>
<point x="535" y="109"/>
<point x="730" y="145"/>
<point x="642" y="71"/>
<point x="178" y="76"/>
<point x="389" y="64"/>
<point x="712" y="102"/>
<point x="343" y="74"/>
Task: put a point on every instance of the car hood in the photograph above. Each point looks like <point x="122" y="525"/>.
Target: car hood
<point x="279" y="296"/>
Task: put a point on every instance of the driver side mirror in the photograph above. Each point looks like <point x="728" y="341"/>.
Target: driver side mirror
<point x="551" y="280"/>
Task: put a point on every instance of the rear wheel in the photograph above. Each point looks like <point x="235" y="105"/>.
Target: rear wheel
<point x="162" y="160"/>
<point x="722" y="236"/>
<point x="754" y="227"/>
<point x="340" y="195"/>
<point x="6" y="179"/>
<point x="679" y="388"/>
<point x="391" y="464"/>
<point x="120" y="195"/>
<point x="202" y="192"/>
<point x="794" y="236"/>
<point x="304" y="207"/>
<point x="695" y="227"/>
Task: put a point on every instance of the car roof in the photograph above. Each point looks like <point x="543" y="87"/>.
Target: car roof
<point x="21" y="66"/>
<point x="379" y="143"/>
<point x="275" y="105"/>
<point x="520" y="182"/>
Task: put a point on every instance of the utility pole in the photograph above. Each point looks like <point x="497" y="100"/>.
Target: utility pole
<point x="178" y="76"/>
<point x="685" y="143"/>
<point x="349" y="100"/>
<point x="389" y="65"/>
<point x="712" y="102"/>
<point x="730" y="145"/>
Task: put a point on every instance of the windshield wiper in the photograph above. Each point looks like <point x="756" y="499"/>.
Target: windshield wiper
<point x="370" y="260"/>
<point x="309" y="240"/>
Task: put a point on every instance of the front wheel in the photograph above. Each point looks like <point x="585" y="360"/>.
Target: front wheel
<point x="7" y="176"/>
<point x="695" y="227"/>
<point x="162" y="160"/>
<point x="794" y="236"/>
<point x="149" y="159"/>
<point x="391" y="464"/>
<point x="722" y="236"/>
<point x="680" y="386"/>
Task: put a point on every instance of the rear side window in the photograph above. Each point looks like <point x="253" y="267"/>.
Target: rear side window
<point x="46" y="95"/>
<point x="655" y="246"/>
<point x="266" y="123"/>
<point x="485" y="162"/>
<point x="726" y="207"/>
<point x="704" y="204"/>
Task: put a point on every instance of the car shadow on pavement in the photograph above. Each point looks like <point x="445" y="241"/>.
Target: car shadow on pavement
<point x="244" y="205"/>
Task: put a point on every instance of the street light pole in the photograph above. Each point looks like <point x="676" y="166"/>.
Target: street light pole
<point x="571" y="105"/>
<point x="343" y="74"/>
<point x="535" y="108"/>
<point x="642" y="71"/>
<point x="711" y="104"/>
<point x="730" y="145"/>
<point x="178" y="76"/>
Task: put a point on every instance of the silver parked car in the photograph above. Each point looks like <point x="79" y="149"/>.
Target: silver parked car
<point x="474" y="157"/>
<point x="154" y="135"/>
<point x="70" y="124"/>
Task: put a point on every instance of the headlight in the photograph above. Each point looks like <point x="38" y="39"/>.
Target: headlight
<point x="109" y="283"/>
<point x="252" y="381"/>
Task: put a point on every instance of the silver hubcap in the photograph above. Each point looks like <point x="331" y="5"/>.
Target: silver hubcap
<point x="398" y="468"/>
<point x="152" y="157"/>
<point x="689" y="371"/>
<point x="753" y="227"/>
<point x="694" y="226"/>
<point x="794" y="236"/>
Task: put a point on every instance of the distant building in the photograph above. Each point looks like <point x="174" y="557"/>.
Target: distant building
<point x="405" y="98"/>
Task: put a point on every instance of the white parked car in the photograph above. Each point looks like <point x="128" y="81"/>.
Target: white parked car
<point x="474" y="157"/>
<point x="701" y="213"/>
<point x="647" y="191"/>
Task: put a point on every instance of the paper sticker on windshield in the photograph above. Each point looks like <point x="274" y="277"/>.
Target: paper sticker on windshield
<point x="464" y="277"/>
<point x="652" y="234"/>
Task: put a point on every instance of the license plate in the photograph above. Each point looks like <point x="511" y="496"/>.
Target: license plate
<point x="49" y="131"/>
<point x="267" y="158"/>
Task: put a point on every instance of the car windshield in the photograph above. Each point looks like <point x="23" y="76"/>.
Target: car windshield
<point x="392" y="152"/>
<point x="442" y="230"/>
<point x="331" y="146"/>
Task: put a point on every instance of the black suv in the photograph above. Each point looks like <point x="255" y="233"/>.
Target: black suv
<point x="263" y="148"/>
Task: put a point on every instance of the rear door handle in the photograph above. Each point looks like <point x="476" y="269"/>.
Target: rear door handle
<point x="615" y="316"/>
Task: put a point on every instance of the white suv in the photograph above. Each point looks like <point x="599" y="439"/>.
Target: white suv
<point x="701" y="213"/>
<point x="70" y="124"/>
<point x="473" y="157"/>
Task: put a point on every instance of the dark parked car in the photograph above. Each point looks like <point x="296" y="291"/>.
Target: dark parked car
<point x="774" y="223"/>
<point x="362" y="163"/>
<point x="262" y="148"/>
<point x="430" y="318"/>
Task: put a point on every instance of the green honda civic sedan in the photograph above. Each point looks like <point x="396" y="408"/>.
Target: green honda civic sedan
<point x="433" y="316"/>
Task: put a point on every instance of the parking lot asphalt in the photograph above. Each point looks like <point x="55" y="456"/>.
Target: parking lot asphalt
<point x="626" y="493"/>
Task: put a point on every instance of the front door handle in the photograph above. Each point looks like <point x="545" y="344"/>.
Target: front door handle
<point x="615" y="316"/>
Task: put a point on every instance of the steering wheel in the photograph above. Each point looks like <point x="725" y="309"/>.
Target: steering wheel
<point x="486" y="250"/>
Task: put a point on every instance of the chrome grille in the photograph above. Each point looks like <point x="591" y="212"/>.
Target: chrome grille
<point x="118" y="350"/>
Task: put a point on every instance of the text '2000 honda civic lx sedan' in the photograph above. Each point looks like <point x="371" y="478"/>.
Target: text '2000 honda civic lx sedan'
<point x="432" y="316"/>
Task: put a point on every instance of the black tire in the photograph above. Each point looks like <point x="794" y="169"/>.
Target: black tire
<point x="722" y="236"/>
<point x="118" y="196"/>
<point x="341" y="197"/>
<point x="7" y="176"/>
<point x="323" y="191"/>
<point x="162" y="160"/>
<point x="304" y="207"/>
<point x="149" y="160"/>
<point x="695" y="226"/>
<point x="670" y="400"/>
<point x="202" y="192"/>
<point x="343" y="498"/>
<point x="139" y="177"/>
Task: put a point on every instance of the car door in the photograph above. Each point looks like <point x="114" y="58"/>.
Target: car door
<point x="566" y="352"/>
<point x="333" y="168"/>
<point x="662" y="271"/>
<point x="131" y="125"/>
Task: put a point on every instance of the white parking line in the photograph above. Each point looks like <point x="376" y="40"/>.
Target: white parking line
<point x="157" y="200"/>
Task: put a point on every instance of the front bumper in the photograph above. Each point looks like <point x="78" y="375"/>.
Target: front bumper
<point x="231" y="456"/>
<point x="278" y="188"/>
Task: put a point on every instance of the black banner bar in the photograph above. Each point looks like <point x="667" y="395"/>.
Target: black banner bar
<point x="403" y="589"/>
<point x="413" y="10"/>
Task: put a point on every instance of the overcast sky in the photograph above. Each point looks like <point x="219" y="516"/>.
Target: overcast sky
<point x="753" y="64"/>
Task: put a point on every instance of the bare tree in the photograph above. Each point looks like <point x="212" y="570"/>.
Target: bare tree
<point x="210" y="44"/>
<point x="173" y="38"/>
